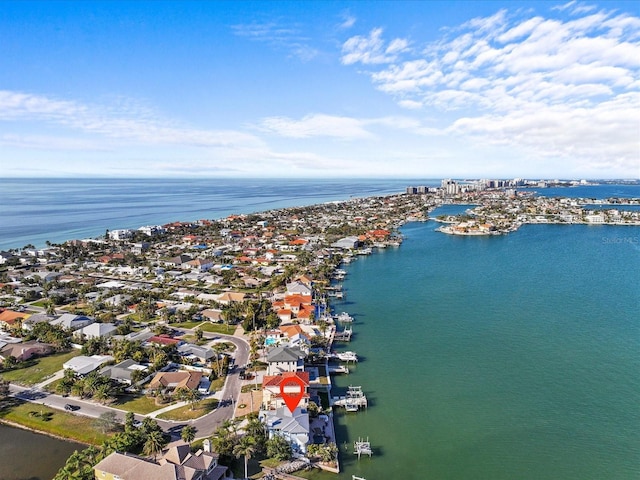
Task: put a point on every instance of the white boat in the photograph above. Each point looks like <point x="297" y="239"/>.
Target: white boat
<point x="347" y="356"/>
<point x="344" y="317"/>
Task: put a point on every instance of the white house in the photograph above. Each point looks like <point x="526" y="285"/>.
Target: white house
<point x="83" y="365"/>
<point x="97" y="330"/>
<point x="292" y="426"/>
<point x="285" y="359"/>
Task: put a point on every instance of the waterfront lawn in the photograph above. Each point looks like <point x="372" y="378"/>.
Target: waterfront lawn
<point x="39" y="369"/>
<point x="218" y="328"/>
<point x="137" y="404"/>
<point x="53" y="422"/>
<point x="186" y="413"/>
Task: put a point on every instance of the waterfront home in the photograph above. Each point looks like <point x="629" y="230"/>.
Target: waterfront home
<point x="297" y="287"/>
<point x="272" y="396"/>
<point x="179" y="463"/>
<point x="285" y="359"/>
<point x="83" y="365"/>
<point x="347" y="243"/>
<point x="292" y="426"/>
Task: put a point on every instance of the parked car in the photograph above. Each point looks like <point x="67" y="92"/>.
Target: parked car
<point x="71" y="408"/>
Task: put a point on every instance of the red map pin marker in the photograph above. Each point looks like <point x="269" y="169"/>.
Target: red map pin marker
<point x="292" y="396"/>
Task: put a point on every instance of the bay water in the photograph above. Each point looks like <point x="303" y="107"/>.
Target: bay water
<point x="497" y="357"/>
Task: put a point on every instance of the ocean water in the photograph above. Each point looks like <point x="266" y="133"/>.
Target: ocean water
<point x="34" y="211"/>
<point x="510" y="357"/>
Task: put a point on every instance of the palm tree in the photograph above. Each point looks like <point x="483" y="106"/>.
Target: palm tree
<point x="188" y="433"/>
<point x="154" y="443"/>
<point x="246" y="448"/>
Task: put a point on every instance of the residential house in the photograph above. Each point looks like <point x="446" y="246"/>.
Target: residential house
<point x="272" y="395"/>
<point x="292" y="426"/>
<point x="11" y="319"/>
<point x="24" y="350"/>
<point x="83" y="365"/>
<point x="347" y="243"/>
<point x="117" y="300"/>
<point x="213" y="315"/>
<point x="200" y="264"/>
<point x="171" y="381"/>
<point x="96" y="330"/>
<point x="71" y="321"/>
<point x="123" y="371"/>
<point x="28" y="323"/>
<point x="5" y="257"/>
<point x="227" y="297"/>
<point x="298" y="288"/>
<point x="196" y="353"/>
<point x="177" y="464"/>
<point x="285" y="359"/>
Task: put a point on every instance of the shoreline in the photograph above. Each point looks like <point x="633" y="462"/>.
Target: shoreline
<point x="9" y="423"/>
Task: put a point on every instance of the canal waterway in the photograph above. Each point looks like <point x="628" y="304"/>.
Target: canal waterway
<point x="25" y="455"/>
<point x="497" y="357"/>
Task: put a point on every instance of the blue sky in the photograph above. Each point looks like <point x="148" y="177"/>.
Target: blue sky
<point x="421" y="89"/>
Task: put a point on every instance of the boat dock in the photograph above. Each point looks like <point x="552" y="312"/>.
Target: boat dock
<point x="362" y="447"/>
<point x="344" y="335"/>
<point x="336" y="369"/>
<point x="353" y="400"/>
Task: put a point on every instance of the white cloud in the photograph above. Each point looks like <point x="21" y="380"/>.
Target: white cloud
<point x="317" y="125"/>
<point x="111" y="122"/>
<point x="288" y="37"/>
<point x="371" y="50"/>
<point x="348" y="21"/>
<point x="564" y="85"/>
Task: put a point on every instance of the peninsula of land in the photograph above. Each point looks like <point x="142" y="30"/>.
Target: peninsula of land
<point x="195" y="330"/>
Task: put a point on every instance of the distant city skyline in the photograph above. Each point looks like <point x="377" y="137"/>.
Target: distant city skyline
<point x="433" y="89"/>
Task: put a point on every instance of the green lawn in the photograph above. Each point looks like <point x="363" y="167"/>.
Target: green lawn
<point x="137" y="404"/>
<point x="217" y="384"/>
<point x="37" y="370"/>
<point x="218" y="328"/>
<point x="53" y="421"/>
<point x="186" y="413"/>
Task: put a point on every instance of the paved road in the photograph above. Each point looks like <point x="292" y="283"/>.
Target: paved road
<point x="205" y="425"/>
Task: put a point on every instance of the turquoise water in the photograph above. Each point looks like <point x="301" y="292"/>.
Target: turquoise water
<point x="512" y="357"/>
